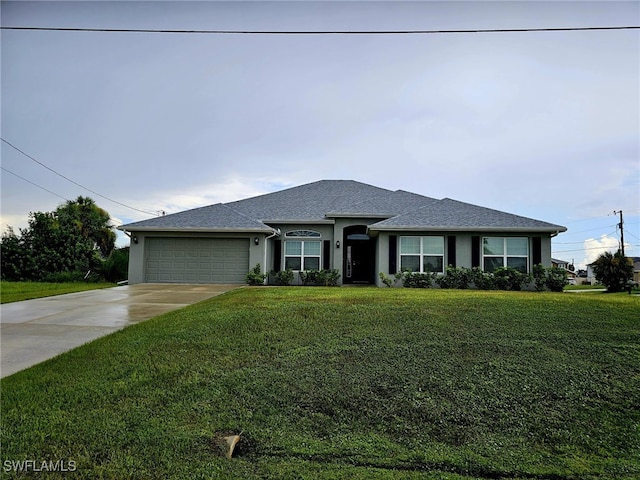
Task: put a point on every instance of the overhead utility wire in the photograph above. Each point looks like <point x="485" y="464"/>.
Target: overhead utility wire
<point x="34" y="184"/>
<point x="72" y="181"/>
<point x="323" y="32"/>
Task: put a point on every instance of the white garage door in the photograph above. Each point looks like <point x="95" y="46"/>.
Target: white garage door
<point x="197" y="260"/>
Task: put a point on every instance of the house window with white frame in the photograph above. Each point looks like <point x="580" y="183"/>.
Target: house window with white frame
<point x="302" y="253"/>
<point x="500" y="252"/>
<point x="422" y="254"/>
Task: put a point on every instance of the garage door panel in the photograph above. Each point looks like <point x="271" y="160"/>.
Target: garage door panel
<point x="200" y="260"/>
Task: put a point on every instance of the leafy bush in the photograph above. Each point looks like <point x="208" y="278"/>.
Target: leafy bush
<point x="327" y="278"/>
<point x="417" y="279"/>
<point x="307" y="276"/>
<point x="283" y="277"/>
<point x="552" y="278"/>
<point x="482" y="280"/>
<point x="255" y="277"/>
<point x="390" y="282"/>
<point x="556" y="279"/>
<point x="74" y="238"/>
<point x="508" y="278"/>
<point x="455" y="278"/>
<point x="539" y="277"/>
<point x="116" y="267"/>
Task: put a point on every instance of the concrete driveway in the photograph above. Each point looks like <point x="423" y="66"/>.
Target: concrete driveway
<point x="36" y="330"/>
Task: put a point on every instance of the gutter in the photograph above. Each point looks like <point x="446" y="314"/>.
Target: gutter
<point x="555" y="229"/>
<point x="276" y="233"/>
<point x="195" y="230"/>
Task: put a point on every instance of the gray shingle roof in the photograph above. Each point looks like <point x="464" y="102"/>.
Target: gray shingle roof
<point x="323" y="200"/>
<point x="448" y="214"/>
<point x="309" y="202"/>
<point x="212" y="218"/>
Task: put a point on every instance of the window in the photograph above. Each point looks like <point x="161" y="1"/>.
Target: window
<point x="302" y="254"/>
<point x="302" y="233"/>
<point x="505" y="252"/>
<point x="422" y="254"/>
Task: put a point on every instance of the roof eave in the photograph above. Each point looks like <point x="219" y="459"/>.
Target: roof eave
<point x="300" y="222"/>
<point x="408" y="228"/>
<point x="125" y="228"/>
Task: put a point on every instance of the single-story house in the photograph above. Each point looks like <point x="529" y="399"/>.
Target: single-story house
<point x="356" y="228"/>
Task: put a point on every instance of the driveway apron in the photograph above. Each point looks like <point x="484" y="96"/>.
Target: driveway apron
<point x="35" y="330"/>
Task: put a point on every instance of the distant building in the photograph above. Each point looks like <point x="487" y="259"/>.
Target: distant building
<point x="571" y="275"/>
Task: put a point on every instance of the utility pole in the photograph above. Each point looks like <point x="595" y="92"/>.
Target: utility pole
<point x="621" y="225"/>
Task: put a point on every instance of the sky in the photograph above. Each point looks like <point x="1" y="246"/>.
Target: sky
<point x="542" y="124"/>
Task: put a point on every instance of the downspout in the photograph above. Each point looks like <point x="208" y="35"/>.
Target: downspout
<point x="276" y="233"/>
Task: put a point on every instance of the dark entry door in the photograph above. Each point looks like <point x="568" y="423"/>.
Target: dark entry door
<point x="359" y="255"/>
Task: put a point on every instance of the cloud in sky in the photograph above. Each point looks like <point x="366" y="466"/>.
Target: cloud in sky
<point x="539" y="124"/>
<point x="594" y="247"/>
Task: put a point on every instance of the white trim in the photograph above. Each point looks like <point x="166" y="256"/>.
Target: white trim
<point x="302" y="255"/>
<point x="302" y="234"/>
<point x="505" y="255"/>
<point x="422" y="254"/>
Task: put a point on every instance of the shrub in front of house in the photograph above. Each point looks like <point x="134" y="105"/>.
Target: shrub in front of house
<point x="508" y="278"/>
<point x="390" y="282"/>
<point x="326" y="278"/>
<point x="255" y="276"/>
<point x="482" y="280"/>
<point x="459" y="278"/>
<point x="283" y="277"/>
<point x="417" y="279"/>
<point x="552" y="278"/>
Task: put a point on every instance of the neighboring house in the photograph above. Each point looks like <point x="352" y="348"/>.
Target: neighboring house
<point x="560" y="263"/>
<point x="636" y="269"/>
<point x="356" y="228"/>
<point x="571" y="275"/>
<point x="591" y="276"/>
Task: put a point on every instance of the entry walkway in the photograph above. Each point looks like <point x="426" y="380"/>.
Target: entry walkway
<point x="36" y="330"/>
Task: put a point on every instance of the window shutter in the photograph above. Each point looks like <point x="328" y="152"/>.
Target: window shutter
<point x="393" y="254"/>
<point x="475" y="251"/>
<point x="537" y="250"/>
<point x="451" y="250"/>
<point x="326" y="254"/>
<point x="277" y="255"/>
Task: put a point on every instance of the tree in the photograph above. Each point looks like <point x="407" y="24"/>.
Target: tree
<point x="613" y="271"/>
<point x="67" y="242"/>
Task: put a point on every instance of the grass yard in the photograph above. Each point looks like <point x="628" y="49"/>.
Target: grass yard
<point x="357" y="383"/>
<point x="18" y="291"/>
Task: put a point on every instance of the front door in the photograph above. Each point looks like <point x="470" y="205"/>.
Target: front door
<point x="359" y="255"/>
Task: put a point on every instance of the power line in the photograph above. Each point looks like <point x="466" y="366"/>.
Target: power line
<point x="35" y="184"/>
<point x="323" y="32"/>
<point x="73" y="181"/>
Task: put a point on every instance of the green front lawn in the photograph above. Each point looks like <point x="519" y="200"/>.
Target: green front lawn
<point x="345" y="383"/>
<point x="18" y="291"/>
